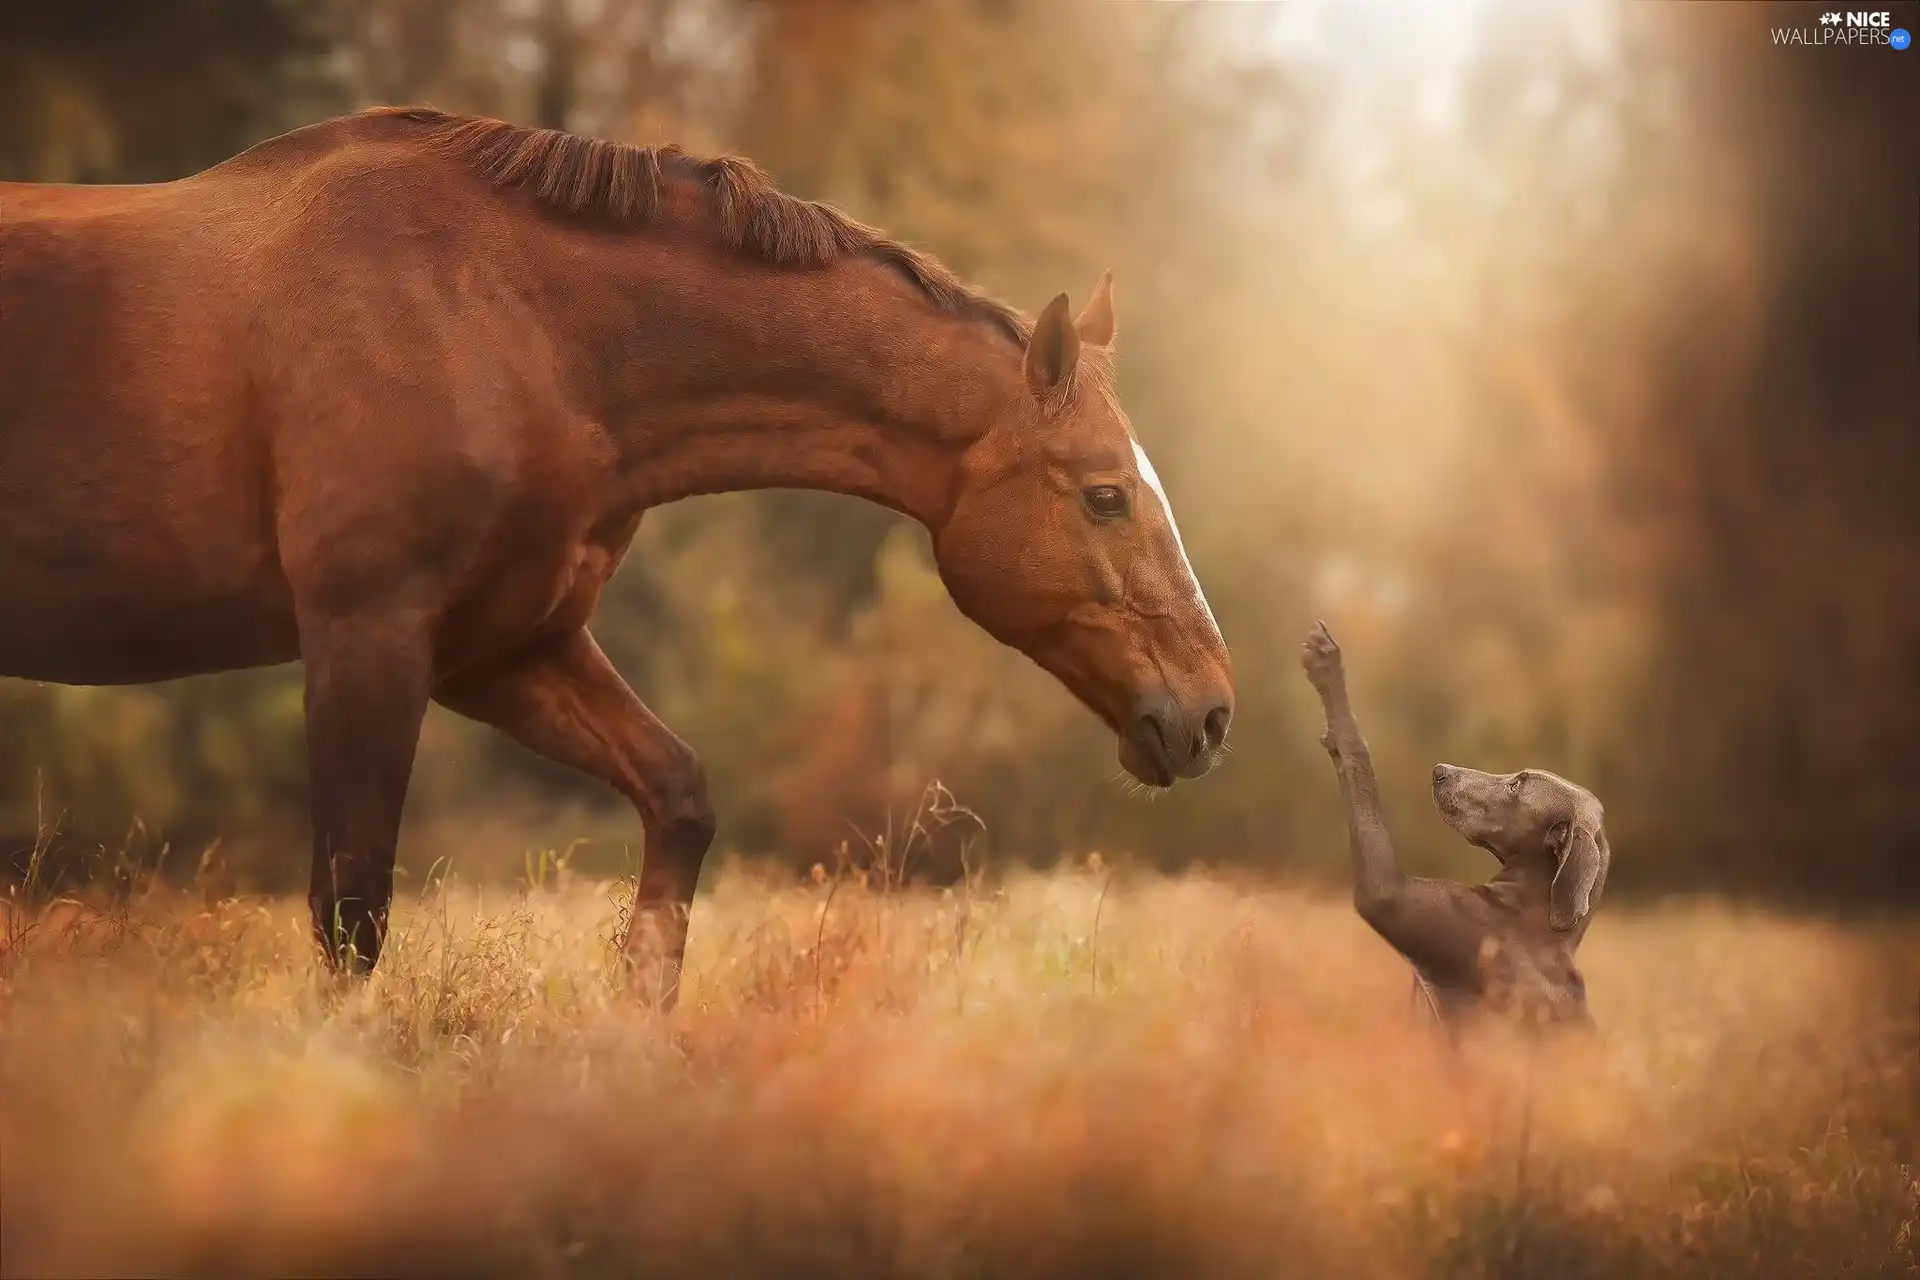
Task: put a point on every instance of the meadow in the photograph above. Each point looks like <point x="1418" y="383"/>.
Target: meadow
<point x="1087" y="1072"/>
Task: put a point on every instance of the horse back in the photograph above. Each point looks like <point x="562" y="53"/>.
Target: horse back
<point x="154" y="355"/>
<point x="313" y="364"/>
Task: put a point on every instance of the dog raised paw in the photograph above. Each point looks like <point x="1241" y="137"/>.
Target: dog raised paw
<point x="1321" y="657"/>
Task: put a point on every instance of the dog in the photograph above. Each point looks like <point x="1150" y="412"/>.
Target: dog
<point x="1505" y="947"/>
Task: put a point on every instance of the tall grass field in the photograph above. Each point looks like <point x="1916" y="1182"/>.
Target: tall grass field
<point x="1081" y="1073"/>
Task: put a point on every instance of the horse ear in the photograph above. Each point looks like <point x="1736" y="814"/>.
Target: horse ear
<point x="1583" y="864"/>
<point x="1053" y="351"/>
<point x="1096" y="325"/>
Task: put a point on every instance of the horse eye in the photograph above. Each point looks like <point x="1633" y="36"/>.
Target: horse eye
<point x="1107" y="501"/>
<point x="1514" y="786"/>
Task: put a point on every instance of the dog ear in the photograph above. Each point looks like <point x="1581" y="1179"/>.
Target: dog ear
<point x="1583" y="866"/>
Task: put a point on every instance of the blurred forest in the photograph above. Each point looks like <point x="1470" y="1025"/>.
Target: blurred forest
<point x="1566" y="359"/>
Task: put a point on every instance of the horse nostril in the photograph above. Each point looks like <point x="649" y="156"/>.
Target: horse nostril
<point x="1214" y="728"/>
<point x="1153" y="735"/>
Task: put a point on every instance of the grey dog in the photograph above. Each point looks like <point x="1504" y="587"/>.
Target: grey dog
<point x="1506" y="945"/>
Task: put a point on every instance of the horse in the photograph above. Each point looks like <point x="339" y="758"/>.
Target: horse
<point x="389" y="395"/>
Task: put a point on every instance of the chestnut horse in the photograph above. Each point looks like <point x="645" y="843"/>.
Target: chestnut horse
<point x="389" y="395"/>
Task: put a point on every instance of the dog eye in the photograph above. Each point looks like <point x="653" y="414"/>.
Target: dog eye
<point x="1108" y="501"/>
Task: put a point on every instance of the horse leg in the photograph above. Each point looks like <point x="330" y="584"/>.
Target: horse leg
<point x="563" y="700"/>
<point x="367" y="687"/>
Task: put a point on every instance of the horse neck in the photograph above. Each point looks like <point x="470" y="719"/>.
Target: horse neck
<point x="728" y="374"/>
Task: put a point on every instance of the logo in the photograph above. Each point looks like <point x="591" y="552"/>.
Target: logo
<point x="1859" y="28"/>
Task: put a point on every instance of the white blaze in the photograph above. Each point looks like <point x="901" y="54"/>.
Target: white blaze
<point x="1152" y="477"/>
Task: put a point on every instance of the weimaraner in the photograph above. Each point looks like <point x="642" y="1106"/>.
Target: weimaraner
<point x="1507" y="944"/>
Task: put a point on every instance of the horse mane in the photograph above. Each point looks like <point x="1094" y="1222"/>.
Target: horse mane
<point x="592" y="177"/>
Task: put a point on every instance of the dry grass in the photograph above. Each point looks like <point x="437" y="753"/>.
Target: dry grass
<point x="1217" y="1080"/>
